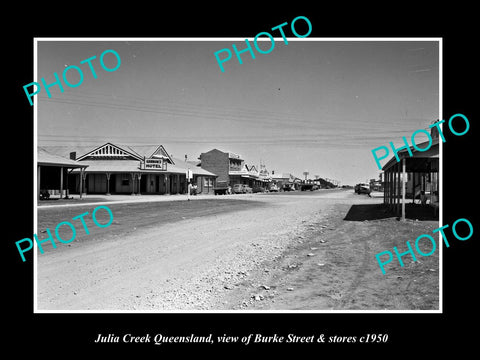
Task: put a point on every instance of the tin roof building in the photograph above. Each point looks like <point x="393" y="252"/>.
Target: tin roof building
<point x="126" y="169"/>
<point x="415" y="175"/>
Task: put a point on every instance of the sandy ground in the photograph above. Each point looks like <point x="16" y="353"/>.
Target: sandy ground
<point x="292" y="251"/>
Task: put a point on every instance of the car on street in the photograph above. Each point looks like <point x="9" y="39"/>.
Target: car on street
<point x="257" y="189"/>
<point x="362" y="188"/>
<point x="222" y="188"/>
<point x="273" y="187"/>
<point x="237" y="189"/>
<point x="247" y="189"/>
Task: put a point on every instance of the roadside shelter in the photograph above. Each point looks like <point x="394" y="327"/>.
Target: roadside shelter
<point x="415" y="176"/>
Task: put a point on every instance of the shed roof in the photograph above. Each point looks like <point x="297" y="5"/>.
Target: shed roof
<point x="416" y="165"/>
<point x="282" y="176"/>
<point x="139" y="151"/>
<point x="178" y="166"/>
<point x="45" y="158"/>
<point x="133" y="166"/>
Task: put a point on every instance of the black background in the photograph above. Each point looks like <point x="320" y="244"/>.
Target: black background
<point x="69" y="334"/>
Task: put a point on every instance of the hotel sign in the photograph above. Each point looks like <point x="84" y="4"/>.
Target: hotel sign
<point x="153" y="164"/>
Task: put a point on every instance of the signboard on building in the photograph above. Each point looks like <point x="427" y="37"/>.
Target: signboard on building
<point x="153" y="164"/>
<point x="233" y="156"/>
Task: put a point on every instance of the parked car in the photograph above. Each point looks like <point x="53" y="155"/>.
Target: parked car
<point x="247" y="189"/>
<point x="362" y="188"/>
<point x="257" y="189"/>
<point x="288" y="187"/>
<point x="273" y="187"/>
<point x="44" y="195"/>
<point x="237" y="189"/>
<point x="222" y="188"/>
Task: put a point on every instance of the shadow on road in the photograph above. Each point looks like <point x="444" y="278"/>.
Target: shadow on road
<point x="380" y="211"/>
<point x="368" y="212"/>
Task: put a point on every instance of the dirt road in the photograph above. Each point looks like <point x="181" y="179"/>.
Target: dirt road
<point x="251" y="252"/>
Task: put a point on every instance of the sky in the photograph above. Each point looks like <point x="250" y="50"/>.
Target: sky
<point x="312" y="105"/>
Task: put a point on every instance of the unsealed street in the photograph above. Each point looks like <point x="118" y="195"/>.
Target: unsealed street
<point x="289" y="251"/>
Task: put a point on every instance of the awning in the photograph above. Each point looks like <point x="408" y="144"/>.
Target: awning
<point x="418" y="160"/>
<point x="44" y="158"/>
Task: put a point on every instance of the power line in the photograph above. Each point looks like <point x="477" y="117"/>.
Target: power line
<point x="243" y="115"/>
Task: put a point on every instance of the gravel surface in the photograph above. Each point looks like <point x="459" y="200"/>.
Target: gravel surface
<point x="213" y="255"/>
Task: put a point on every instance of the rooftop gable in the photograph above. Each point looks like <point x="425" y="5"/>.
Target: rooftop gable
<point x="109" y="151"/>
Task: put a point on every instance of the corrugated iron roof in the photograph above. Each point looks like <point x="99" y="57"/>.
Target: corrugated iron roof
<point x="179" y="166"/>
<point x="432" y="152"/>
<point x="133" y="166"/>
<point x="46" y="158"/>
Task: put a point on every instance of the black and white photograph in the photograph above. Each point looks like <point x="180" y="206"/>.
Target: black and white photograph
<point x="234" y="181"/>
<point x="251" y="189"/>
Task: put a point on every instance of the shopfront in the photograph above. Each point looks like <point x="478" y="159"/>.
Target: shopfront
<point x="115" y="169"/>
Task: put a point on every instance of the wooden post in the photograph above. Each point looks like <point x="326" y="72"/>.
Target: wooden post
<point x="84" y="178"/>
<point x="139" y="178"/>
<point x="394" y="187"/>
<point x="389" y="184"/>
<point x="66" y="185"/>
<point x="423" y="188"/>
<point x="38" y="181"/>
<point x="133" y="183"/>
<point x="399" y="205"/>
<point x="413" y="187"/>
<point x="108" y="183"/>
<point x="81" y="182"/>
<point x="390" y="187"/>
<point x="61" y="182"/>
<point x="383" y="187"/>
<point x="404" y="177"/>
<point x="386" y="186"/>
<point x="398" y="188"/>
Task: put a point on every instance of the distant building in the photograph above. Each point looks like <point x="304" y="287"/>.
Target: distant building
<point x="283" y="180"/>
<point x="376" y="185"/>
<point x="264" y="175"/>
<point x="231" y="168"/>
